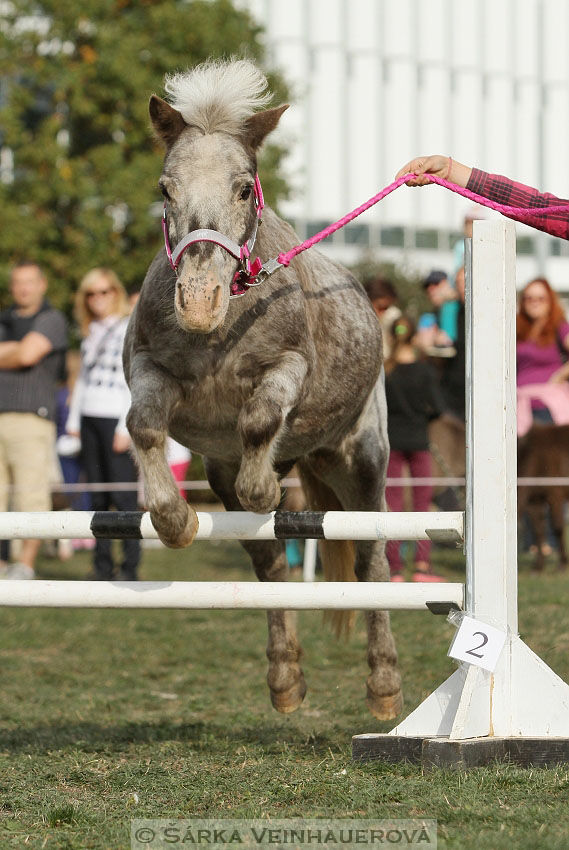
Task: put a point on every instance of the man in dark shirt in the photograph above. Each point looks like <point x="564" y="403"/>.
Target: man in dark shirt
<point x="33" y="341"/>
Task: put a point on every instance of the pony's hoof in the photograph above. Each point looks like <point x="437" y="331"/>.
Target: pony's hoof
<point x="260" y="498"/>
<point x="288" y="701"/>
<point x="175" y="539"/>
<point x="385" y="708"/>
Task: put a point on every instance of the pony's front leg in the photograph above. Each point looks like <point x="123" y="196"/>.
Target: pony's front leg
<point x="153" y="398"/>
<point x="260" y="421"/>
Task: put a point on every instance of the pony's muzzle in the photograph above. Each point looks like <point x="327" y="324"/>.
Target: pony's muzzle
<point x="201" y="303"/>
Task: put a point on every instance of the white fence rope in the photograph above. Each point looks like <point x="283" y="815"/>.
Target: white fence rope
<point x="128" y="486"/>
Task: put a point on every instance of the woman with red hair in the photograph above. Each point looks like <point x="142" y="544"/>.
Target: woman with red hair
<point x="542" y="343"/>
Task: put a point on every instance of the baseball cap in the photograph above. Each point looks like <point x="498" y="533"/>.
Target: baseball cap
<point x="434" y="278"/>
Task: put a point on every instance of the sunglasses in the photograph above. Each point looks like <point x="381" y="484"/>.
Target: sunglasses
<point x="94" y="292"/>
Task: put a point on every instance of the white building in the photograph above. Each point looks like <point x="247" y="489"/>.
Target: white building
<point x="377" y="82"/>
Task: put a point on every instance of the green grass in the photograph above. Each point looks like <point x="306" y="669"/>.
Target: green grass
<point x="107" y="716"/>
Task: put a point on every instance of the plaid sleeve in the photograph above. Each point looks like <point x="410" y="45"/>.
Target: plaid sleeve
<point x="505" y="191"/>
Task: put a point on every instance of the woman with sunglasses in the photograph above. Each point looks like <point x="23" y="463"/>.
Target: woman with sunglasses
<point x="542" y="349"/>
<point x="99" y="405"/>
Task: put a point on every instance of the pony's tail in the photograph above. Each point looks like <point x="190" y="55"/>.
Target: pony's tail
<point x="337" y="556"/>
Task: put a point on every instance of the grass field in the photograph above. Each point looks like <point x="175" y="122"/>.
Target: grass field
<point x="106" y="716"/>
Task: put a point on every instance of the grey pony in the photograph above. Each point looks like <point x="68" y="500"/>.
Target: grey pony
<point x="288" y="373"/>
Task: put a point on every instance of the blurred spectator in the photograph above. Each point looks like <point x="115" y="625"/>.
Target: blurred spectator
<point x="542" y="345"/>
<point x="453" y="381"/>
<point x="448" y="433"/>
<point x="33" y="340"/>
<point x="474" y="213"/>
<point x="383" y="297"/>
<point x="98" y="409"/>
<point x="294" y="500"/>
<point x="443" y="331"/>
<point x="69" y="453"/>
<point x="413" y="399"/>
<point x="179" y="459"/>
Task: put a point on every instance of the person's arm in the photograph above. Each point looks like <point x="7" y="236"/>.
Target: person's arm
<point x="561" y="375"/>
<point x="26" y="352"/>
<point x="121" y="437"/>
<point x="496" y="188"/>
<point x="73" y="424"/>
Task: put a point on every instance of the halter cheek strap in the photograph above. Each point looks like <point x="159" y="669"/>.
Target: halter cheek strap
<point x="246" y="274"/>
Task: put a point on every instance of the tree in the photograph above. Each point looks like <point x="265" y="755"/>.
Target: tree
<point x="75" y="83"/>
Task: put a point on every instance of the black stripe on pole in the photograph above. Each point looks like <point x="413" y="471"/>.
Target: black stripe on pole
<point x="117" y="525"/>
<point x="307" y="525"/>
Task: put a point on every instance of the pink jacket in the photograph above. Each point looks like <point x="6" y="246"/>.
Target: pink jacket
<point x="554" y="396"/>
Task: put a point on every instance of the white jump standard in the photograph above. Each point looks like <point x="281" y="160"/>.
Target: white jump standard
<point x="521" y="711"/>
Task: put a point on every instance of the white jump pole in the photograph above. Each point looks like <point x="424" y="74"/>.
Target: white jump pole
<point x="523" y="697"/>
<point x="297" y="596"/>
<point x="238" y="525"/>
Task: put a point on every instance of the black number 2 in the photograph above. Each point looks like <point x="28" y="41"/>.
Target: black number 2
<point x="484" y="642"/>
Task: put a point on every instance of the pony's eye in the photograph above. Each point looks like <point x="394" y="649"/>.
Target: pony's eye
<point x="246" y="193"/>
<point x="164" y="191"/>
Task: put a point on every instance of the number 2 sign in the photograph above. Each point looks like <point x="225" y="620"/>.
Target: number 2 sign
<point x="477" y="643"/>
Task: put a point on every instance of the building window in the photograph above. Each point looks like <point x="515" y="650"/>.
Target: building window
<point x="357" y="234"/>
<point x="392" y="237"/>
<point x="428" y="239"/>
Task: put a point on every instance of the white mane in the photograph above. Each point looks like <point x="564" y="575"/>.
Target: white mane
<point x="218" y="96"/>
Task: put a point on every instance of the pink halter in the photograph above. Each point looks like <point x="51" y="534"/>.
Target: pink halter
<point x="246" y="275"/>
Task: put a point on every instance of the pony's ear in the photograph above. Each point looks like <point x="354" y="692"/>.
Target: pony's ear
<point x="167" y="121"/>
<point x="261" y="124"/>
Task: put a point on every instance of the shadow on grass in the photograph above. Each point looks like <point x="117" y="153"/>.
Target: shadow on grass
<point x="202" y="736"/>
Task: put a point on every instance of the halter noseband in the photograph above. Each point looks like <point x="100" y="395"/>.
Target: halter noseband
<point x="248" y="273"/>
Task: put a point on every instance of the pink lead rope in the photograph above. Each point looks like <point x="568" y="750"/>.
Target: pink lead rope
<point x="285" y="258"/>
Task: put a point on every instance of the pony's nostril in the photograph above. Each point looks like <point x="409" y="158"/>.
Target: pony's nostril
<point x="216" y="300"/>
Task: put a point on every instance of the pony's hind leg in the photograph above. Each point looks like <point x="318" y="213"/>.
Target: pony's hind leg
<point x="285" y="677"/>
<point x="356" y="474"/>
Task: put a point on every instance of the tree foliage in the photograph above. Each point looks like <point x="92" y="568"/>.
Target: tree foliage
<point x="75" y="82"/>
